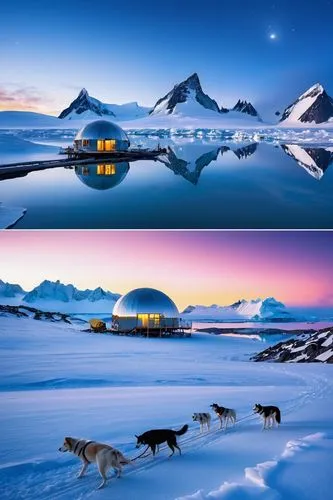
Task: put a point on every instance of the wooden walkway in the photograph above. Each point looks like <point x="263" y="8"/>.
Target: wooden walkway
<point x="126" y="156"/>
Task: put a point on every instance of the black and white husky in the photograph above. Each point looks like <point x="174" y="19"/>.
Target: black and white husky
<point x="224" y="414"/>
<point x="90" y="451"/>
<point x="203" y="419"/>
<point x="270" y="414"/>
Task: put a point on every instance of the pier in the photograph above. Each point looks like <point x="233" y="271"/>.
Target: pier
<point x="73" y="159"/>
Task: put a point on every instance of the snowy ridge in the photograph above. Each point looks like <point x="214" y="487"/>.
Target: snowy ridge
<point x="267" y="309"/>
<point x="55" y="296"/>
<point x="307" y="347"/>
<point x="314" y="105"/>
<point x="88" y="108"/>
<point x="10" y="290"/>
<point x="259" y="480"/>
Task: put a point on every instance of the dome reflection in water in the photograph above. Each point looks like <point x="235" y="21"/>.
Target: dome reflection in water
<point x="102" y="176"/>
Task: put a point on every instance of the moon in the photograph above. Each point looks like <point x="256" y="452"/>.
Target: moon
<point x="272" y="36"/>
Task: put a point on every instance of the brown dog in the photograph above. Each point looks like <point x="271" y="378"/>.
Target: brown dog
<point x="90" y="452"/>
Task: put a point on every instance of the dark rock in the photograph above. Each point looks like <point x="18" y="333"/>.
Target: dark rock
<point x="321" y="110"/>
<point x="181" y="92"/>
<point x="83" y="103"/>
<point x="306" y="347"/>
<point x="245" y="107"/>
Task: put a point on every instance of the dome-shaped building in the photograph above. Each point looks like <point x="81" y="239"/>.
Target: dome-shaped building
<point x="101" y="136"/>
<point x="146" y="311"/>
<point x="102" y="176"/>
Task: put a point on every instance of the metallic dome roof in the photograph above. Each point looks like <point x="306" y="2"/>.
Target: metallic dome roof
<point x="89" y="176"/>
<point x="145" y="300"/>
<point x="101" y="129"/>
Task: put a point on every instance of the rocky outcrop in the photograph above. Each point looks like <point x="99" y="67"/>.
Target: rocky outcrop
<point x="303" y="348"/>
<point x="246" y="107"/>
<point x="32" y="312"/>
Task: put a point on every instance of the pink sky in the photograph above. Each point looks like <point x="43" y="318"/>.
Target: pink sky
<point x="192" y="267"/>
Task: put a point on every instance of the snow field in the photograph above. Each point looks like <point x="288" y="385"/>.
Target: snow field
<point x="58" y="381"/>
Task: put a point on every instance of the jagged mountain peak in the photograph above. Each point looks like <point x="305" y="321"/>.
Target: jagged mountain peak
<point x="313" y="106"/>
<point x="55" y="295"/>
<point x="83" y="93"/>
<point x="193" y="80"/>
<point x="83" y="104"/>
<point x="87" y="107"/>
<point x="316" y="89"/>
<point x="187" y="92"/>
<point x="245" y="107"/>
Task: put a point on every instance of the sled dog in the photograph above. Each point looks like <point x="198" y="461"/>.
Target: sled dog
<point x="224" y="414"/>
<point x="90" y="451"/>
<point x="271" y="415"/>
<point x="203" y="419"/>
<point x="155" y="437"/>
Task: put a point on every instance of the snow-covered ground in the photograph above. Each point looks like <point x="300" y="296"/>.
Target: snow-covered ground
<point x="10" y="215"/>
<point x="233" y="126"/>
<point x="58" y="381"/>
<point x="14" y="149"/>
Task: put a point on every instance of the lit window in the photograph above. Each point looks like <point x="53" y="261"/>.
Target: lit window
<point x="100" y="145"/>
<point x="100" y="169"/>
<point x="110" y="169"/>
<point x="110" y="145"/>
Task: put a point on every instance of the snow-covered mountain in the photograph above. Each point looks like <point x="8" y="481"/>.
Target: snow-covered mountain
<point x="188" y="99"/>
<point x="247" y="108"/>
<point x="55" y="296"/>
<point x="314" y="106"/>
<point x="267" y="309"/>
<point x="10" y="293"/>
<point x="21" y="119"/>
<point x="87" y="107"/>
<point x="314" y="160"/>
<point x="185" y="98"/>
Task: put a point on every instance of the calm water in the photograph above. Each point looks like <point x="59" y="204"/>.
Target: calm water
<point x="295" y="325"/>
<point x="197" y="185"/>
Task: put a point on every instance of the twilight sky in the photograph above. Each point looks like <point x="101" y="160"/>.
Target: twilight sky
<point x="192" y="267"/>
<point x="268" y="51"/>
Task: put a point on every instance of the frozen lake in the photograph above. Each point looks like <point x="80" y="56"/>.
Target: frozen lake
<point x="197" y="184"/>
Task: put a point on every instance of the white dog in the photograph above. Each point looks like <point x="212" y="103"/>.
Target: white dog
<point x="203" y="419"/>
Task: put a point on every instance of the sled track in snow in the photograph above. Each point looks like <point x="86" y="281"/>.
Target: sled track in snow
<point x="55" y="480"/>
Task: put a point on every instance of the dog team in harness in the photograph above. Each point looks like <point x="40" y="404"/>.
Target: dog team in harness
<point x="107" y="457"/>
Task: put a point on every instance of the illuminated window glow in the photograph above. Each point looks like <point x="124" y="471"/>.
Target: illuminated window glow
<point x="109" y="169"/>
<point x="110" y="144"/>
